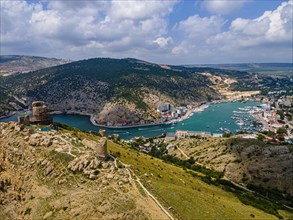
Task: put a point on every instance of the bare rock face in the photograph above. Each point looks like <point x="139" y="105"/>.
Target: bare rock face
<point x="40" y="140"/>
<point x="35" y="139"/>
<point x="80" y="163"/>
<point x="47" y="142"/>
<point x="89" y="144"/>
<point x="248" y="161"/>
<point x="111" y="113"/>
<point x="89" y="165"/>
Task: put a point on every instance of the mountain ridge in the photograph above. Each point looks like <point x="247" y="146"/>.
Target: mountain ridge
<point x="13" y="64"/>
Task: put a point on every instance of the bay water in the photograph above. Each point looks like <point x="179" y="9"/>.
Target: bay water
<point x="213" y="119"/>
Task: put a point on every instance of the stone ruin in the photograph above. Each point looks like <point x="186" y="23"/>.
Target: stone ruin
<point x="102" y="133"/>
<point x="102" y="149"/>
<point x="40" y="114"/>
<point x="23" y="120"/>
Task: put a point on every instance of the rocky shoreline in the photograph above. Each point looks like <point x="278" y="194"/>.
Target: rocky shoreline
<point x="174" y="121"/>
<point x="8" y="115"/>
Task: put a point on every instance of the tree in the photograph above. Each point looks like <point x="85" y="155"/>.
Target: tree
<point x="281" y="113"/>
<point x="281" y="131"/>
<point x="260" y="137"/>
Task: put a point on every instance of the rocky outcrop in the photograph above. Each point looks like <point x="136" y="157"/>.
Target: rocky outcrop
<point x="245" y="161"/>
<point x="60" y="180"/>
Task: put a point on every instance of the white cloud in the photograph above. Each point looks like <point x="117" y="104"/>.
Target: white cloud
<point x="263" y="39"/>
<point x="82" y="29"/>
<point x="196" y="31"/>
<point x="140" y="10"/>
<point x="180" y="49"/>
<point x="197" y="27"/>
<point x="104" y="28"/>
<point x="163" y="42"/>
<point x="223" y="6"/>
<point x="273" y="27"/>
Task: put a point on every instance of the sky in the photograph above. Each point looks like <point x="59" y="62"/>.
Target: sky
<point x="159" y="31"/>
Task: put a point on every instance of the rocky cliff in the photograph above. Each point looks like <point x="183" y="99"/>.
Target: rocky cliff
<point x="245" y="161"/>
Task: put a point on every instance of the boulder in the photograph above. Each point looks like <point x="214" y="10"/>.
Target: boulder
<point x="48" y="215"/>
<point x="34" y="139"/>
<point x="110" y="176"/>
<point x="47" y="142"/>
<point x="105" y="165"/>
<point x="92" y="176"/>
<point x="125" y="180"/>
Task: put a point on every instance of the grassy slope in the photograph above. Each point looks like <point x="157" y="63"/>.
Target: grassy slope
<point x="34" y="193"/>
<point x="188" y="197"/>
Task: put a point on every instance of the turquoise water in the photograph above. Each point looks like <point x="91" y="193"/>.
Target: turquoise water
<point x="211" y="120"/>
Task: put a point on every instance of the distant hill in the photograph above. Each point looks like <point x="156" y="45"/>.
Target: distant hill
<point x="268" y="68"/>
<point x="11" y="64"/>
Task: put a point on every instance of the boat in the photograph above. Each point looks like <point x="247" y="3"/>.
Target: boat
<point x="240" y="122"/>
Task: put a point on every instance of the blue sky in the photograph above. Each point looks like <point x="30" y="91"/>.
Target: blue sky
<point x="172" y="32"/>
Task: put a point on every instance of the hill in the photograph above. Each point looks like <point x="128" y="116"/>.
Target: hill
<point x="105" y="86"/>
<point x="12" y="64"/>
<point x="264" y="68"/>
<point x="127" y="89"/>
<point x="266" y="167"/>
<point x="55" y="175"/>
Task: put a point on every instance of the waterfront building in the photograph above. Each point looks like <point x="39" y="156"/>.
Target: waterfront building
<point x="170" y="136"/>
<point x="165" y="108"/>
<point x="217" y="135"/>
<point x="184" y="134"/>
<point x="181" y="134"/>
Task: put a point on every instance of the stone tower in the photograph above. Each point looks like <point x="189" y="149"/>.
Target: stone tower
<point x="102" y="149"/>
<point x="102" y="133"/>
<point x="40" y="113"/>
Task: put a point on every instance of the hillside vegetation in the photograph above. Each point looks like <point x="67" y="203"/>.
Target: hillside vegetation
<point x="44" y="185"/>
<point x="263" y="68"/>
<point x="100" y="85"/>
<point x="128" y="89"/>
<point x="266" y="168"/>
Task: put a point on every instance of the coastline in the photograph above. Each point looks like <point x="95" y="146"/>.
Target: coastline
<point x="188" y="114"/>
<point x="8" y="115"/>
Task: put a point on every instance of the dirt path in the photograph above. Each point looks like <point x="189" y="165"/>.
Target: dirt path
<point x="182" y="152"/>
<point x="136" y="178"/>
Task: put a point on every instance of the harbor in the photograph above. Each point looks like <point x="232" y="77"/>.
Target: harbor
<point x="215" y="118"/>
